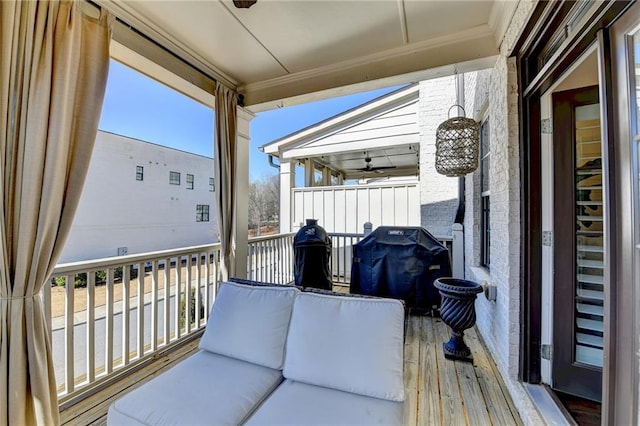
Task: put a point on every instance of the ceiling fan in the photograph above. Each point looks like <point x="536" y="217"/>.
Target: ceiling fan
<point x="369" y="168"/>
<point x="244" y="4"/>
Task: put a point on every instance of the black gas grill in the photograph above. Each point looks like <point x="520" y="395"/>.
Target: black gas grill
<point x="401" y="263"/>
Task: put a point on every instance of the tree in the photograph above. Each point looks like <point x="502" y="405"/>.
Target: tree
<point x="264" y="202"/>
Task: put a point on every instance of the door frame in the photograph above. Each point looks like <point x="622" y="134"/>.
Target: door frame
<point x="564" y="371"/>
<point x="622" y="377"/>
<point x="547" y="203"/>
<point x="535" y="77"/>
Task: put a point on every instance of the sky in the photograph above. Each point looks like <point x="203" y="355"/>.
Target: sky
<point x="141" y="108"/>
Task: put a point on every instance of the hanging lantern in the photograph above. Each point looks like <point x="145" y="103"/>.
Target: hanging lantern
<point x="457" y="142"/>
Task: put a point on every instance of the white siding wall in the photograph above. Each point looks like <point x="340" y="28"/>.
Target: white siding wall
<point x="438" y="193"/>
<point x="116" y="210"/>
<point x="499" y="321"/>
<point x="347" y="208"/>
<point x="399" y="124"/>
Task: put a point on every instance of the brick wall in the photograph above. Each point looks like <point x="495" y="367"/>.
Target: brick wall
<point x="493" y="94"/>
<point x="438" y="193"/>
<point x="498" y="321"/>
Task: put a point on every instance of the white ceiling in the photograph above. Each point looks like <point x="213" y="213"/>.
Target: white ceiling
<point x="397" y="160"/>
<point x="283" y="49"/>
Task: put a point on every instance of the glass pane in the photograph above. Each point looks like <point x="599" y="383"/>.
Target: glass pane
<point x="589" y="237"/>
<point x="484" y="156"/>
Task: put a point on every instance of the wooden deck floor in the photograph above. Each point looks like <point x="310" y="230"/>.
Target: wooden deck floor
<point x="438" y="391"/>
<point x="445" y="392"/>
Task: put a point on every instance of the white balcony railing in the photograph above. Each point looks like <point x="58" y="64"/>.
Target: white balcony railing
<point x="110" y="315"/>
<point x="270" y="258"/>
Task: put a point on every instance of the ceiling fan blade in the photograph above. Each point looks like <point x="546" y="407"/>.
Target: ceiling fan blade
<point x="373" y="169"/>
<point x="381" y="168"/>
<point x="244" y="4"/>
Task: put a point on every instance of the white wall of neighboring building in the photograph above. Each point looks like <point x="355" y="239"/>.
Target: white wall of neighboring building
<point x="116" y="210"/>
<point x="438" y="193"/>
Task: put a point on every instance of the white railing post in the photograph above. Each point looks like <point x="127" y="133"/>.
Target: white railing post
<point x="108" y="340"/>
<point x="126" y="303"/>
<point x="457" y="255"/>
<point x="368" y="227"/>
<point x="69" y="311"/>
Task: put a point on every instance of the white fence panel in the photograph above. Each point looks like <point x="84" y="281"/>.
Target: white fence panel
<point x="346" y="208"/>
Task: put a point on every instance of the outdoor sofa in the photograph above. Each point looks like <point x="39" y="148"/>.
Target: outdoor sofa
<point x="275" y="355"/>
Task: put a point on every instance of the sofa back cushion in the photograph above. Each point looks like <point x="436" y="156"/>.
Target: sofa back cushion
<point x="347" y="343"/>
<point x="250" y="323"/>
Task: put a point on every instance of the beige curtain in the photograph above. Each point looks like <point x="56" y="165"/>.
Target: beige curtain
<point x="224" y="153"/>
<point x="53" y="71"/>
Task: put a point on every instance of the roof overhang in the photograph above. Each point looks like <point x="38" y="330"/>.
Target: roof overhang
<point x="282" y="52"/>
<point x="378" y="139"/>
<point x="297" y="144"/>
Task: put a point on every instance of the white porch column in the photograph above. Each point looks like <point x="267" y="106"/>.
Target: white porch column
<point x="287" y="183"/>
<point x="242" y="196"/>
<point x="326" y="176"/>
<point x="309" y="173"/>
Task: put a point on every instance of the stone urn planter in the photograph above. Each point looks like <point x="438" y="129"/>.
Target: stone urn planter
<point x="458" y="311"/>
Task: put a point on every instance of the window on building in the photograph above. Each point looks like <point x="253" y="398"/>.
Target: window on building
<point x="202" y="213"/>
<point x="189" y="181"/>
<point x="174" y="178"/>
<point x="485" y="203"/>
<point x="212" y="185"/>
<point x="139" y="173"/>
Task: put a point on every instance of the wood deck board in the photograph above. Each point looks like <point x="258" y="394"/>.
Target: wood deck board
<point x="497" y="400"/>
<point x="411" y="371"/>
<point x="475" y="405"/>
<point x="477" y="340"/>
<point x="429" y="410"/>
<point x="438" y="391"/>
<point x="453" y="412"/>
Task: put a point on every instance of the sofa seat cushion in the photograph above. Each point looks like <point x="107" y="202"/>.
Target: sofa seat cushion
<point x="205" y="388"/>
<point x="250" y="323"/>
<point x="347" y="343"/>
<point x="295" y="403"/>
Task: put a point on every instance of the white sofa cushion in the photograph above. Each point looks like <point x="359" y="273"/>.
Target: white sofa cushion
<point x="295" y="403"/>
<point x="347" y="343"/>
<point x="250" y="323"/>
<point x="205" y="388"/>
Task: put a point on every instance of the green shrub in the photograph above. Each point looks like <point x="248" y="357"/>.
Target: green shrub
<point x="81" y="280"/>
<point x="192" y="313"/>
<point x="101" y="277"/>
<point x="117" y="273"/>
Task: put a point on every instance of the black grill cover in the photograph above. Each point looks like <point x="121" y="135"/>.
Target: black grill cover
<point x="401" y="263"/>
<point x="312" y="253"/>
